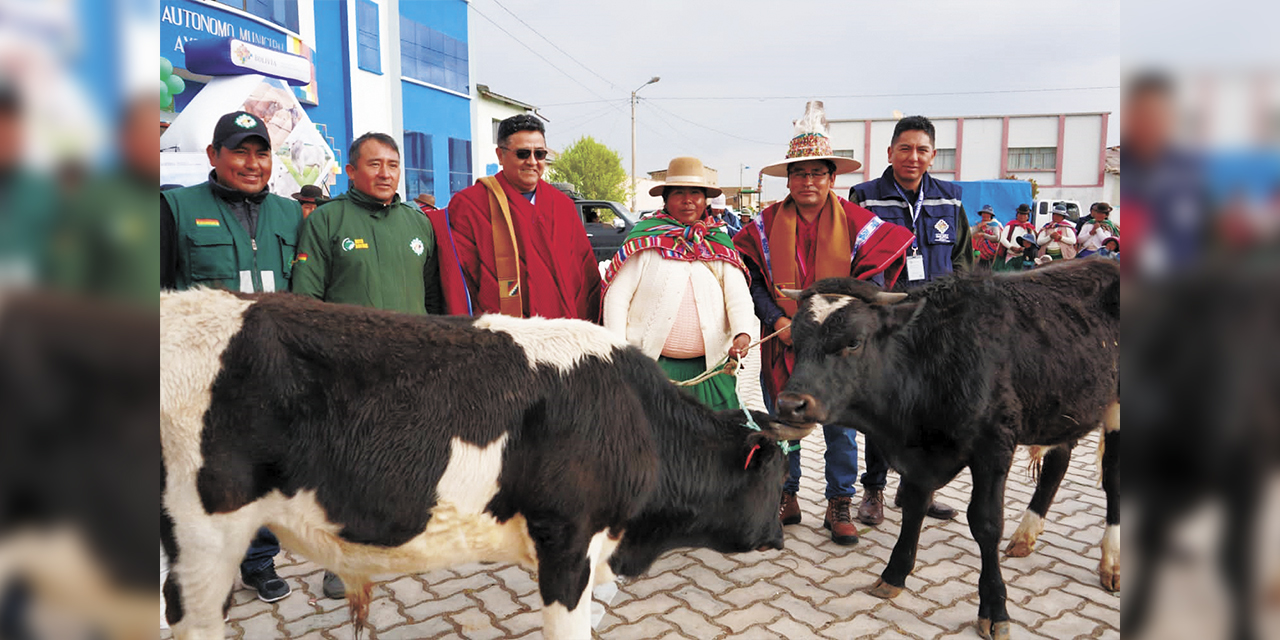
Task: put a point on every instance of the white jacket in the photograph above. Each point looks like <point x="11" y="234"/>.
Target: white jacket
<point x="1092" y="235"/>
<point x="642" y="302"/>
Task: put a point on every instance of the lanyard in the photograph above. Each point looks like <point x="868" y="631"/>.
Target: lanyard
<point x="915" y="214"/>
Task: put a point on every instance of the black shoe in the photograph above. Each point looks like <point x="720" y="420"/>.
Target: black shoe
<point x="270" y="587"/>
<point x="333" y="587"/>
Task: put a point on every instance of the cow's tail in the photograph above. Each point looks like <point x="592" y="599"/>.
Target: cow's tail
<point x="1036" y="463"/>
<point x="358" y="603"/>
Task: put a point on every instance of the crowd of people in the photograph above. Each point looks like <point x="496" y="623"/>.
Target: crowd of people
<point x="1018" y="245"/>
<point x="692" y="286"/>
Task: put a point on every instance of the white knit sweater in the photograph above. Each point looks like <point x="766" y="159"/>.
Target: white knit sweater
<point x="643" y="300"/>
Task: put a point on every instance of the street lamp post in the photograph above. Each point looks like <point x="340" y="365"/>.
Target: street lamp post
<point x="740" y="168"/>
<point x="633" y="139"/>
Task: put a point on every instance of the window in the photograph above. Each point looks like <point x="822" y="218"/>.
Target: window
<point x="426" y="55"/>
<point x="496" y="124"/>
<point x="843" y="153"/>
<point x="368" y="52"/>
<point x="459" y="165"/>
<point x="418" y="174"/>
<point x="281" y="12"/>
<point x="945" y="161"/>
<point x="1033" y="159"/>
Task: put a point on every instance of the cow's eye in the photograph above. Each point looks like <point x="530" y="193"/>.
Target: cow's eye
<point x="851" y="349"/>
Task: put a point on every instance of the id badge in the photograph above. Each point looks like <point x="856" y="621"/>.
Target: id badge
<point x="915" y="267"/>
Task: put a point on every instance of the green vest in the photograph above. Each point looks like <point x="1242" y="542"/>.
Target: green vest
<point x="215" y="250"/>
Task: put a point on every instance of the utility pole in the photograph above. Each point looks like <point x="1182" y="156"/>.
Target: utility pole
<point x="633" y="139"/>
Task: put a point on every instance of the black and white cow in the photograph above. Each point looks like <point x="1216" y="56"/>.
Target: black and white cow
<point x="957" y="374"/>
<point x="374" y="442"/>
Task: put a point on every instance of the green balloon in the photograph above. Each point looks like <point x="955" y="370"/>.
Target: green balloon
<point x="166" y="67"/>
<point x="165" y="100"/>
<point x="175" y="84"/>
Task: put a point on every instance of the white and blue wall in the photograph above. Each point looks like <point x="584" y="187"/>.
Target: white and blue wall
<point x="395" y="66"/>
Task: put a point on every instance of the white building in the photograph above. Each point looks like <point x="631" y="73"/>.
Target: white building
<point x="1064" y="153"/>
<point x="491" y="108"/>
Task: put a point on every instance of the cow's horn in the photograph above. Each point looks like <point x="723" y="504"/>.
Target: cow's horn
<point x="794" y="294"/>
<point x="784" y="431"/>
<point x="886" y="297"/>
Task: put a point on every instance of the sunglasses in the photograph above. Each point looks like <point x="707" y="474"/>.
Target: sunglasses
<point x="523" y="154"/>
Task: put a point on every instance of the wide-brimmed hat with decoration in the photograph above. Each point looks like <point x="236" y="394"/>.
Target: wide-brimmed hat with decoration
<point x="812" y="142"/>
<point x="686" y="172"/>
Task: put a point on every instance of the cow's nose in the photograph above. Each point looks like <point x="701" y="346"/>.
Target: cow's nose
<point x="799" y="407"/>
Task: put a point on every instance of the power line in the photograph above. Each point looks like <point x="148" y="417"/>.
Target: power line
<point x="865" y="95"/>
<point x="554" y="45"/>
<point x="540" y="56"/>
<point x="891" y="95"/>
<point x="569" y="104"/>
<point x="723" y="133"/>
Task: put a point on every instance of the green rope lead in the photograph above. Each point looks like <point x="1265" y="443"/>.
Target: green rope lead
<point x="786" y="447"/>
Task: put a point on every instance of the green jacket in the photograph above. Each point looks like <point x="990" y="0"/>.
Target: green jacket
<point x="29" y="206"/>
<point x="215" y="250"/>
<point x="107" y="240"/>
<point x="354" y="250"/>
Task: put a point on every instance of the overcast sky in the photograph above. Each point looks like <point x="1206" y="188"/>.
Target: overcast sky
<point x="735" y="74"/>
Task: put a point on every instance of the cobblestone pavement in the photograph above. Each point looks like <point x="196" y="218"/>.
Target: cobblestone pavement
<point x="812" y="589"/>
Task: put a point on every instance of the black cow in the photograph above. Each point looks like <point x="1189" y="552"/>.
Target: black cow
<point x="957" y="374"/>
<point x="78" y="463"/>
<point x="374" y="442"/>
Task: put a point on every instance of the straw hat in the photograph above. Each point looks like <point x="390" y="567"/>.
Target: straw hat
<point x="686" y="172"/>
<point x="811" y="143"/>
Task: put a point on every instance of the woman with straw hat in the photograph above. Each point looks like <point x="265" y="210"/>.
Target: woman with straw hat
<point x="677" y="289"/>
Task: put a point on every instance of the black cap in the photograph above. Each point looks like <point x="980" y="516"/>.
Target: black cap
<point x="234" y="127"/>
<point x="1024" y="208"/>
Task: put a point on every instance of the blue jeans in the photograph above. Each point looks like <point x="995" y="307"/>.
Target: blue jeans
<point x="261" y="554"/>
<point x="841" y="463"/>
<point x="877" y="475"/>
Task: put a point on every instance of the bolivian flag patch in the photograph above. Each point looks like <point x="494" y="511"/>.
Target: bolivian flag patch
<point x="208" y="222"/>
<point x="302" y="257"/>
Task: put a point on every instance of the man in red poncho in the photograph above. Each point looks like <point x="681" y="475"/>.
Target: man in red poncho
<point x="811" y="235"/>
<point x="512" y="243"/>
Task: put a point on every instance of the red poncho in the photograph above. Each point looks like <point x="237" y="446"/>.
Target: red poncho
<point x="856" y="243"/>
<point x="561" y="277"/>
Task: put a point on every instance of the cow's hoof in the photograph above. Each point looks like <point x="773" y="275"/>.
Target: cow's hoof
<point x="1110" y="577"/>
<point x="884" y="590"/>
<point x="998" y="631"/>
<point x="1019" y="548"/>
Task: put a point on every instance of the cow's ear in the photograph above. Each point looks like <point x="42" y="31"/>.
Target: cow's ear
<point x="759" y="447"/>
<point x="903" y="315"/>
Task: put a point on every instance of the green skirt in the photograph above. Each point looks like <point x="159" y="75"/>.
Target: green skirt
<point x="718" y="392"/>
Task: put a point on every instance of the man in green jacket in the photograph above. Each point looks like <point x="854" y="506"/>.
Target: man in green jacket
<point x="231" y="232"/>
<point x="367" y="247"/>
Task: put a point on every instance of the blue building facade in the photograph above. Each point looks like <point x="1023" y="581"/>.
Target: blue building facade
<point x="400" y="67"/>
